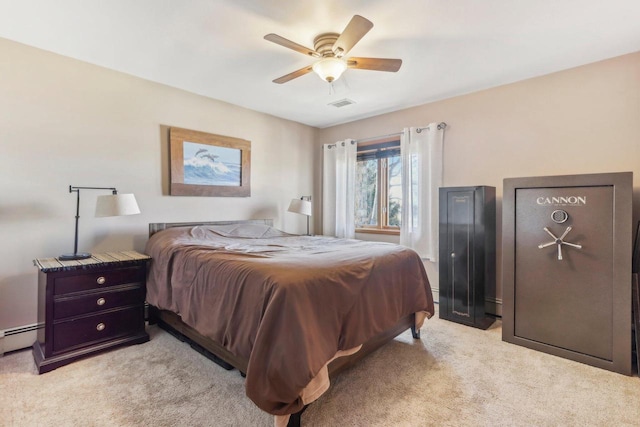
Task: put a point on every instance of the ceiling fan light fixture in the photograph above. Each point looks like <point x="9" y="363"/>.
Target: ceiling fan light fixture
<point x="330" y="69"/>
<point x="331" y="49"/>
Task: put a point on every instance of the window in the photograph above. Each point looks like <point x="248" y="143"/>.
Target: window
<point x="379" y="186"/>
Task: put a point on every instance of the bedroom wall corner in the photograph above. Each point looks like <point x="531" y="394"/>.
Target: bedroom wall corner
<point x="580" y="120"/>
<point x="66" y="122"/>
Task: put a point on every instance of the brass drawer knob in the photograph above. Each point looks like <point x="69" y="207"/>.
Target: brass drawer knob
<point x="101" y="301"/>
<point x="100" y="326"/>
<point x="101" y="280"/>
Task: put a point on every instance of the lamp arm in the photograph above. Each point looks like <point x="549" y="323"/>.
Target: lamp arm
<point x="73" y="189"/>
<point x="309" y="199"/>
<point x="75" y="241"/>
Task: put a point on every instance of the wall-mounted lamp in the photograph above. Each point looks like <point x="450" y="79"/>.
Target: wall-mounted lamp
<point x="112" y="205"/>
<point x="301" y="206"/>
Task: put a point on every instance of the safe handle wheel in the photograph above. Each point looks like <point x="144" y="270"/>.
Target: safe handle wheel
<point x="559" y="241"/>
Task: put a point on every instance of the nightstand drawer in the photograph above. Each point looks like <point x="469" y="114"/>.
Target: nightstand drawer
<point x="98" y="280"/>
<point x="107" y="299"/>
<point x="88" y="330"/>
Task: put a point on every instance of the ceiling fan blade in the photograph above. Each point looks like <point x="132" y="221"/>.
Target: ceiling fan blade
<point x="295" y="74"/>
<point x="377" y="64"/>
<point x="291" y="45"/>
<point x="355" y="30"/>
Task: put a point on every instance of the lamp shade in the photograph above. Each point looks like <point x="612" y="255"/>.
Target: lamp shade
<point x="330" y="69"/>
<point x="116" y="205"/>
<point x="299" y="206"/>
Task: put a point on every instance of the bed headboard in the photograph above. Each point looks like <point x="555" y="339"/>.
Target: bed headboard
<point x="154" y="227"/>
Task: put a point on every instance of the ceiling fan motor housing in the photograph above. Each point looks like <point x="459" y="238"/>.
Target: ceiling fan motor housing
<point x="323" y="44"/>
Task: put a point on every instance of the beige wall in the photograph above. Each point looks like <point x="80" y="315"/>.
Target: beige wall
<point x="64" y="122"/>
<point x="583" y="120"/>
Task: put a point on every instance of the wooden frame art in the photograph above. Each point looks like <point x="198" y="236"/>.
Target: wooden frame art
<point x="635" y="295"/>
<point x="204" y="164"/>
<point x="635" y="261"/>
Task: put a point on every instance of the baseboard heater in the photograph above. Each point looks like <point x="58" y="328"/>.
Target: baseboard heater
<point x="492" y="305"/>
<point x="22" y="337"/>
<point x="19" y="337"/>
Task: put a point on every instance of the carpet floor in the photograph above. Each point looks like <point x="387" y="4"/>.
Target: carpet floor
<point x="454" y="376"/>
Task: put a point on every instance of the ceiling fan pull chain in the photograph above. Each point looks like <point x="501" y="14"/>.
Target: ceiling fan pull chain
<point x="345" y="82"/>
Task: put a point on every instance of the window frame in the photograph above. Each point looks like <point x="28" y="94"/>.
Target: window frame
<point x="383" y="226"/>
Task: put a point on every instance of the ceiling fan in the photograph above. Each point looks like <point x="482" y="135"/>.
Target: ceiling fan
<point x="330" y="49"/>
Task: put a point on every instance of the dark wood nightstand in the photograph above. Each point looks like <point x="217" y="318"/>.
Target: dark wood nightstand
<point x="89" y="306"/>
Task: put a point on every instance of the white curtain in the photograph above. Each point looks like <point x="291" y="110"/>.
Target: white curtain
<point x="421" y="150"/>
<point x="338" y="189"/>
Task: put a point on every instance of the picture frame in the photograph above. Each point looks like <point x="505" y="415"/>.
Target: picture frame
<point x="635" y="296"/>
<point x="209" y="165"/>
<point x="635" y="260"/>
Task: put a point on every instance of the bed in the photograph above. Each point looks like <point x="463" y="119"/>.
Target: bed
<point x="287" y="311"/>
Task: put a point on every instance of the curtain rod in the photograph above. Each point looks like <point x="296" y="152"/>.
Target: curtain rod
<point x="441" y="126"/>
<point x="379" y="137"/>
<point x="330" y="146"/>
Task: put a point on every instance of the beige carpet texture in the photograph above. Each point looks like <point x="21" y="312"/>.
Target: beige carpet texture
<point x="454" y="376"/>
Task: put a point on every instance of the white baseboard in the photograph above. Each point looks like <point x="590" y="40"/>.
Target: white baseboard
<point x="18" y="338"/>
<point x="492" y="306"/>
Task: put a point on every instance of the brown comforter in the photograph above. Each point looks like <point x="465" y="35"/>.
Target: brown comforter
<point x="285" y="303"/>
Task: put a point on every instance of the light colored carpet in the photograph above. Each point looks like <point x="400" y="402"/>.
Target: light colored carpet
<point x="454" y="376"/>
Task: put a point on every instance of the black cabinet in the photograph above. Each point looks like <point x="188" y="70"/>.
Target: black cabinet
<point x="467" y="253"/>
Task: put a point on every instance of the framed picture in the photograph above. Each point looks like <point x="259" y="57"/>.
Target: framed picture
<point x="204" y="164"/>
<point x="635" y="294"/>
<point x="635" y="261"/>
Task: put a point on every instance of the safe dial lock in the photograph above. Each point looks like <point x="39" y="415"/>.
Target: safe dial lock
<point x="559" y="241"/>
<point x="559" y="216"/>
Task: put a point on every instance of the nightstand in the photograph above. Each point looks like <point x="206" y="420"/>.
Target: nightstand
<point x="89" y="306"/>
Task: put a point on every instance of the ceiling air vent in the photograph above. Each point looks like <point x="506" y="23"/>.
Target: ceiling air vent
<point x="342" y="103"/>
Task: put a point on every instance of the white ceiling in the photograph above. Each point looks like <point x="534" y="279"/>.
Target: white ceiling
<point x="216" y="48"/>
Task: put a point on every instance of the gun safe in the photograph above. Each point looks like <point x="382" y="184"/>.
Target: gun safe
<point x="467" y="264"/>
<point x="566" y="244"/>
